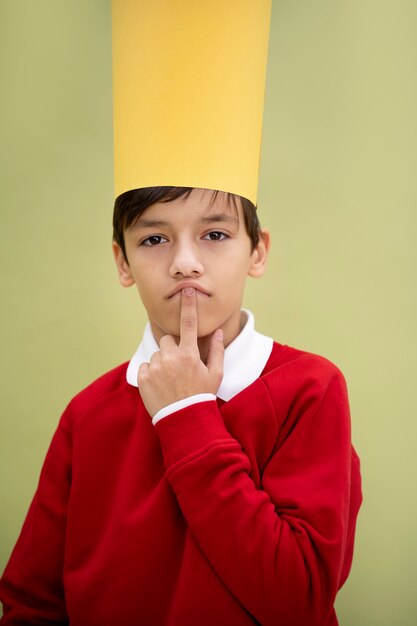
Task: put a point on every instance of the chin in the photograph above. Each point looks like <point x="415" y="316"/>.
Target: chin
<point x="206" y="332"/>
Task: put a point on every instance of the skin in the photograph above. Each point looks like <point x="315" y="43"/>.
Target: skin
<point x="189" y="260"/>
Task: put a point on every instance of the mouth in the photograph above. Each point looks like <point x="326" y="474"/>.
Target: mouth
<point x="200" y="291"/>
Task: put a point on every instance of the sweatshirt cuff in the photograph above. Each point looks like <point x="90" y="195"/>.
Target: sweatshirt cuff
<point x="191" y="431"/>
<point x="181" y="404"/>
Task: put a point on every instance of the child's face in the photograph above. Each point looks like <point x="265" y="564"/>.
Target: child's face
<point x="190" y="242"/>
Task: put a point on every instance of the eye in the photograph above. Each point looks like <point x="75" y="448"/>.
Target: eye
<point x="153" y="240"/>
<point x="216" y="235"/>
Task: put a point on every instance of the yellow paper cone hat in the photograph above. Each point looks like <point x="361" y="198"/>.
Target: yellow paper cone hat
<point x="188" y="93"/>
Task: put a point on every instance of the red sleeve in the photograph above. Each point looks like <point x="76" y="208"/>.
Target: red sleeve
<point x="279" y="548"/>
<point x="31" y="588"/>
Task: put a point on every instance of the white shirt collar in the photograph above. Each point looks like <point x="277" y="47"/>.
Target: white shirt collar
<point x="244" y="358"/>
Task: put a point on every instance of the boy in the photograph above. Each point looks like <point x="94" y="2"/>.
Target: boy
<point x="211" y="480"/>
<point x="170" y="506"/>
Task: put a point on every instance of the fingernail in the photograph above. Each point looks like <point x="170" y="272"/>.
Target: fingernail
<point x="188" y="291"/>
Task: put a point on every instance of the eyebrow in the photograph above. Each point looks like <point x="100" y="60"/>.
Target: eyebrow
<point x="219" y="217"/>
<point x="144" y="222"/>
<point x="147" y="223"/>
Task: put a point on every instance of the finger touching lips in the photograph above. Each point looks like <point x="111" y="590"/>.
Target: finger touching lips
<point x="184" y="285"/>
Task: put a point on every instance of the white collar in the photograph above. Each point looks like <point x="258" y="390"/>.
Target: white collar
<point x="244" y="358"/>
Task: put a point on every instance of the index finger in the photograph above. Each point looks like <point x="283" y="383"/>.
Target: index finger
<point x="188" y="319"/>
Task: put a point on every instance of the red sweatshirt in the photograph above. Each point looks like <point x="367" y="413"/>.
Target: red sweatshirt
<point x="223" y="513"/>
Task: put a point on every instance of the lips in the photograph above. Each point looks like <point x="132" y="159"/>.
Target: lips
<point x="199" y="289"/>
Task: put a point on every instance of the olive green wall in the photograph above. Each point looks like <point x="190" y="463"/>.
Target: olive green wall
<point x="337" y="189"/>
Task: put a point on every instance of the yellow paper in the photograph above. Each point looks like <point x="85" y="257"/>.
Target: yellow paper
<point x="188" y="93"/>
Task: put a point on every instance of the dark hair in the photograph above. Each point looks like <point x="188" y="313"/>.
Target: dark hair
<point x="129" y="206"/>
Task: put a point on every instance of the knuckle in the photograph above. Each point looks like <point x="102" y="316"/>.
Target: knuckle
<point x="189" y="321"/>
<point x="165" y="341"/>
<point x="188" y="358"/>
<point x="143" y="372"/>
<point x="167" y="359"/>
<point x="155" y="358"/>
<point x="155" y="368"/>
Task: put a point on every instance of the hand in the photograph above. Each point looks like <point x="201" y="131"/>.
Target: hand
<point x="177" y="371"/>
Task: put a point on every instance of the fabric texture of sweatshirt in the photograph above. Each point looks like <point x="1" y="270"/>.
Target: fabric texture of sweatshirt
<point x="231" y="513"/>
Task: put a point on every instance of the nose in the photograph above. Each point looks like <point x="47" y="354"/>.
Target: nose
<point x="186" y="261"/>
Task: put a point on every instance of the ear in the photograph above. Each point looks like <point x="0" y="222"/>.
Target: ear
<point x="260" y="254"/>
<point x="125" y="276"/>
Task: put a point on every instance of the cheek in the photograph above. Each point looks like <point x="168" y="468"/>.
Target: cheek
<point x="235" y="270"/>
<point x="147" y="290"/>
<point x="147" y="278"/>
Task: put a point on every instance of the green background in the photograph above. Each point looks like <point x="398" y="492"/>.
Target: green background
<point x="337" y="189"/>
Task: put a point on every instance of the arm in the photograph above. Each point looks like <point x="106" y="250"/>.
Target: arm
<point x="279" y="548"/>
<point x="31" y="588"/>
